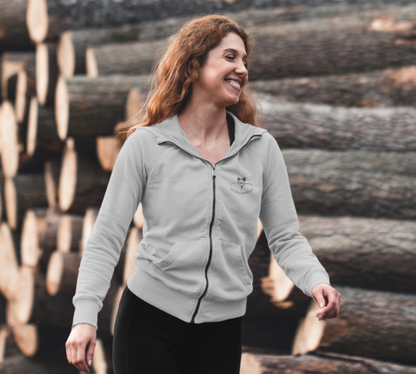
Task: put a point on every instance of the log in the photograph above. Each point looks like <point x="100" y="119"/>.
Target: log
<point x="90" y="107"/>
<point x="125" y="12"/>
<point x="357" y="183"/>
<point x="337" y="241"/>
<point x="5" y="332"/>
<point x="9" y="266"/>
<point x="28" y="130"/>
<point x="46" y="130"/>
<point x="366" y="317"/>
<point x="29" y="365"/>
<point x="39" y="342"/>
<point x="30" y="251"/>
<point x="379" y="252"/>
<point x="10" y="147"/>
<point x="47" y="72"/>
<point x="48" y="238"/>
<point x="69" y="233"/>
<point x="14" y="34"/>
<point x="24" y="191"/>
<point x="323" y="44"/>
<point x="82" y="182"/>
<point x="138" y="58"/>
<point x="373" y="89"/>
<point x="108" y="148"/>
<point x="254" y="363"/>
<point x="52" y="170"/>
<point x="12" y="64"/>
<point x="62" y="272"/>
<point x="356" y="43"/>
<point x="33" y="304"/>
<point x="73" y="43"/>
<point x="304" y="125"/>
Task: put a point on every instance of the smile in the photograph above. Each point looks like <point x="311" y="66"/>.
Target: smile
<point x="233" y="84"/>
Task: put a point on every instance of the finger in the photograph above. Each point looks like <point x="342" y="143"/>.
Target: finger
<point x="90" y="352"/>
<point x="320" y="299"/>
<point x="81" y="364"/>
<point x="68" y="352"/>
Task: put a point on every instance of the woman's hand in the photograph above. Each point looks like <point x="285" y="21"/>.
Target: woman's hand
<point x="81" y="336"/>
<point x="329" y="298"/>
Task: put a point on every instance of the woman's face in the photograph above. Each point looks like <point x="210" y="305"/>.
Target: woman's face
<point x="224" y="74"/>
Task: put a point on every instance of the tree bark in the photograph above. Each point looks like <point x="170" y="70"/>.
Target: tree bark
<point x="15" y="35"/>
<point x="380" y="253"/>
<point x="12" y="64"/>
<point x="372" y="89"/>
<point x="356" y="43"/>
<point x="24" y="191"/>
<point x="253" y="363"/>
<point x="90" y="107"/>
<point x="366" y="318"/>
<point x="82" y="182"/>
<point x="61" y="276"/>
<point x="357" y="183"/>
<point x="297" y="125"/>
<point x="47" y="72"/>
<point x="138" y="58"/>
<point x="353" y="43"/>
<point x="73" y="43"/>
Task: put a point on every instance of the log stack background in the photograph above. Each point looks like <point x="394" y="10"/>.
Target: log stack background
<point x="336" y="87"/>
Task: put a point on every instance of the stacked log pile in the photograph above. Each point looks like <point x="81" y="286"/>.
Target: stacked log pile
<point x="335" y="85"/>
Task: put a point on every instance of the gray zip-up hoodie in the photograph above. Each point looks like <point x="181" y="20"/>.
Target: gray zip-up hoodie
<point x="200" y="225"/>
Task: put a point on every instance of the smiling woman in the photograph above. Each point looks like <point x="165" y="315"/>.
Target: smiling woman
<point x="205" y="172"/>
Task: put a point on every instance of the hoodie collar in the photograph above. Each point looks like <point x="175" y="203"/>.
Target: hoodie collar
<point x="169" y="130"/>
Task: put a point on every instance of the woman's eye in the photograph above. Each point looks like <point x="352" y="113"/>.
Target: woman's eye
<point x="231" y="57"/>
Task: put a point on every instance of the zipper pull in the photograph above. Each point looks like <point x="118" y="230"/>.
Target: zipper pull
<point x="213" y="172"/>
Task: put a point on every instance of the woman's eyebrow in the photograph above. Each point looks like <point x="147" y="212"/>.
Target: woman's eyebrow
<point x="233" y="50"/>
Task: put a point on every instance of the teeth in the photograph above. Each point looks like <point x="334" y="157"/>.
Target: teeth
<point x="234" y="83"/>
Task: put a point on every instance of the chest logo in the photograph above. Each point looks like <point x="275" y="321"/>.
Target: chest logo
<point x="241" y="186"/>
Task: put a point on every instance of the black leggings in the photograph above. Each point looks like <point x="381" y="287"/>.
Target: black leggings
<point x="148" y="340"/>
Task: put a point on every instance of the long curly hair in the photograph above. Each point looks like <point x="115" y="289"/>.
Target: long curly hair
<point x="173" y="74"/>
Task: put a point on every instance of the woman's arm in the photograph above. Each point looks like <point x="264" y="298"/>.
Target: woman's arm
<point x="279" y="218"/>
<point x="102" y="251"/>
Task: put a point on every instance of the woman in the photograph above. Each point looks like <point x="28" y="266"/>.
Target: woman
<point x="204" y="171"/>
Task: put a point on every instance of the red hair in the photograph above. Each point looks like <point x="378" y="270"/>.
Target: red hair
<point x="173" y="73"/>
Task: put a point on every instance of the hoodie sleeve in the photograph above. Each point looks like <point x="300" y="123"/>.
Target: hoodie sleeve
<point x="279" y="218"/>
<point x="102" y="251"/>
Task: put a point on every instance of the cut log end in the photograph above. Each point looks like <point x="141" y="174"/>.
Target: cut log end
<point x="61" y="108"/>
<point x="42" y="72"/>
<point x="66" y="54"/>
<point x="26" y="338"/>
<point x="91" y="63"/>
<point x="309" y="332"/>
<point x="29" y="248"/>
<point x="21" y="89"/>
<point x="54" y="273"/>
<point x="68" y="177"/>
<point x="37" y="20"/>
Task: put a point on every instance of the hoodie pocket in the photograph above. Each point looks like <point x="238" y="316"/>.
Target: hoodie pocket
<point x="182" y="268"/>
<point x="229" y="276"/>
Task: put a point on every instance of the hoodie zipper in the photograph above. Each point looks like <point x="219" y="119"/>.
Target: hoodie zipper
<point x="212" y="219"/>
<point x="210" y="246"/>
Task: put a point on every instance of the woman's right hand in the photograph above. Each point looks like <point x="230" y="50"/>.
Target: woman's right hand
<point x="82" y="336"/>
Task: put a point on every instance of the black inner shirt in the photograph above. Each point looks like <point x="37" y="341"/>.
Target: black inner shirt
<point x="231" y="127"/>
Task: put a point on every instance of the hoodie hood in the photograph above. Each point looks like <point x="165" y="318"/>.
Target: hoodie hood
<point x="169" y="130"/>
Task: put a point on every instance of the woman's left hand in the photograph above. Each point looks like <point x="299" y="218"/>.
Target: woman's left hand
<point x="329" y="298"/>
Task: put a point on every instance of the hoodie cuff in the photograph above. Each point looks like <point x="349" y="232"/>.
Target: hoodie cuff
<point x="86" y="311"/>
<point x="317" y="278"/>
